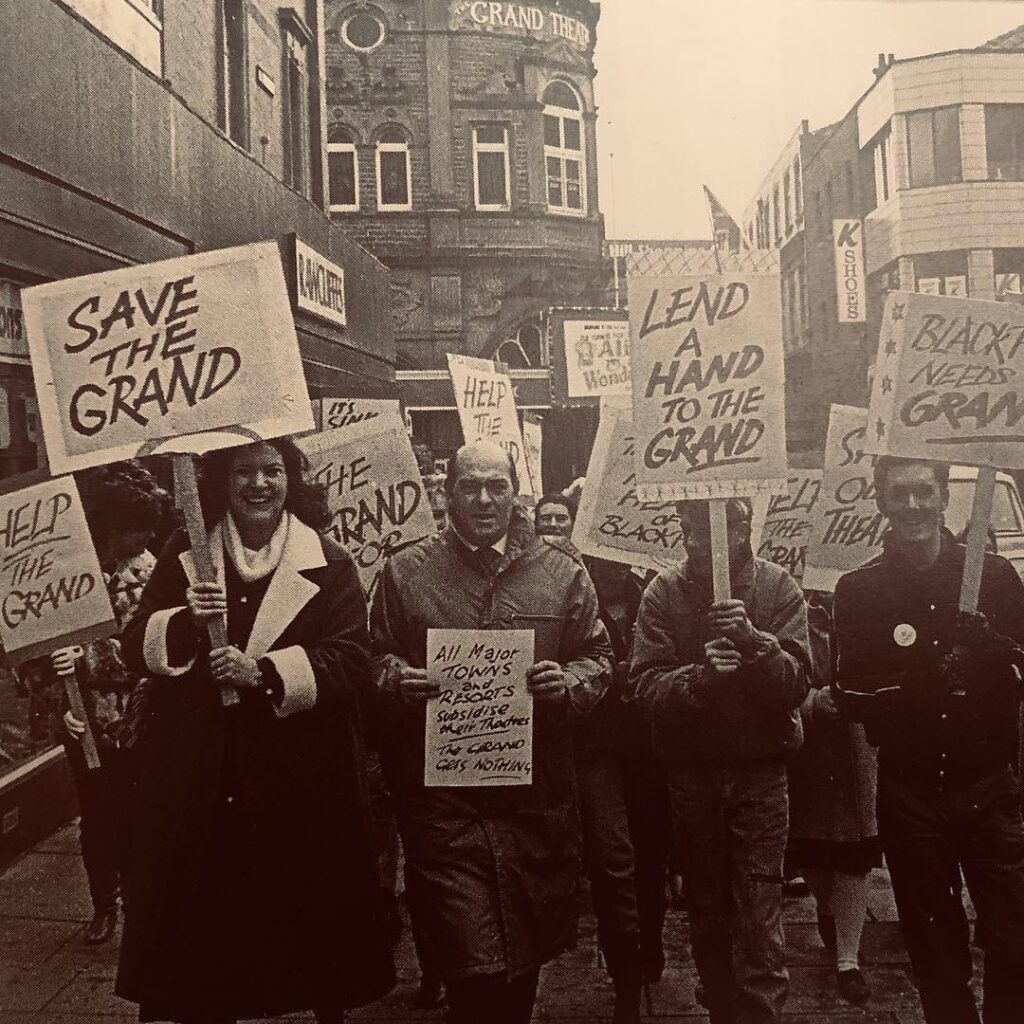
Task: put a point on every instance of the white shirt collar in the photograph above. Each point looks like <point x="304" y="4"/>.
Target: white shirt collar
<point x="498" y="545"/>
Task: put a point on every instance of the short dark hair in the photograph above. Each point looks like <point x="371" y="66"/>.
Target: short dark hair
<point x="885" y="464"/>
<point x="452" y="477"/>
<point x="121" y="497"/>
<point x="556" y="498"/>
<point x="737" y="510"/>
<point x="307" y="501"/>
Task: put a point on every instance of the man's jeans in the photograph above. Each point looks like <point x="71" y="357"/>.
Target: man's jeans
<point x="730" y="824"/>
<point x="930" y="834"/>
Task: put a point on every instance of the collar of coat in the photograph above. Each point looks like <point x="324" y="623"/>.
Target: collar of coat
<point x="950" y="560"/>
<point x="519" y="538"/>
<point x="288" y="592"/>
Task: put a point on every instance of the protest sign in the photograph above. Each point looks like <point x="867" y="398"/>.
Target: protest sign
<point x="374" y="489"/>
<point x="533" y="445"/>
<point x="946" y="387"/>
<point x="182" y="355"/>
<point x="480" y="728"/>
<point x="948" y="381"/>
<point x="596" y="358"/>
<point x="487" y="409"/>
<point x="708" y="390"/>
<point x="787" y="523"/>
<point x="612" y="522"/>
<point x="332" y="413"/>
<point x="52" y="592"/>
<point x="847" y="528"/>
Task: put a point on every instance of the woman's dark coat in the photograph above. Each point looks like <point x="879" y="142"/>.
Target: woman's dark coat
<point x="282" y="837"/>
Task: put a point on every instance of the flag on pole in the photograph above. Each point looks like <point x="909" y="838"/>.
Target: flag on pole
<point x="729" y="238"/>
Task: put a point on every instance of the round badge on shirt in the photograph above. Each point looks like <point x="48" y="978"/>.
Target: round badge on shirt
<point x="904" y="634"/>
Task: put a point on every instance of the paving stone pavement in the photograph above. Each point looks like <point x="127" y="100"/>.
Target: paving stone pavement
<point x="47" y="976"/>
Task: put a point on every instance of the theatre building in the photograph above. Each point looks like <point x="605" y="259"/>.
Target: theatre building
<point x="140" y="130"/>
<point x="462" y="152"/>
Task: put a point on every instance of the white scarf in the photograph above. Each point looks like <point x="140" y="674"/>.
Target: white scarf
<point x="254" y="565"/>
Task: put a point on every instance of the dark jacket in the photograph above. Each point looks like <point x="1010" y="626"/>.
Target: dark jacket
<point x="894" y="625"/>
<point x="105" y="683"/>
<point x="290" y="855"/>
<point x="492" y="871"/>
<point x="617" y="726"/>
<point x="701" y="716"/>
<point x="832" y="778"/>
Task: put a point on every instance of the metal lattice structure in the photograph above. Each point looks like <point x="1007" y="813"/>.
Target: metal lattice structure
<point x="668" y="262"/>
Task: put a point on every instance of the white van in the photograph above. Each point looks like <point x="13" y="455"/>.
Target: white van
<point x="1007" y="522"/>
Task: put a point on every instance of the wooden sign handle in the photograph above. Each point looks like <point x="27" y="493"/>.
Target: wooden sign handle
<point x="88" y="741"/>
<point x="721" y="583"/>
<point x="977" y="538"/>
<point x="186" y="494"/>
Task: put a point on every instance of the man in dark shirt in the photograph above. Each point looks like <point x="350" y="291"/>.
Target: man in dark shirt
<point x="938" y="692"/>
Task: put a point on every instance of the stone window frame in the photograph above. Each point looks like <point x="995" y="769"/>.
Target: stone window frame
<point x="393" y="139"/>
<point x="563" y="154"/>
<point x="351" y="146"/>
<point x="504" y="148"/>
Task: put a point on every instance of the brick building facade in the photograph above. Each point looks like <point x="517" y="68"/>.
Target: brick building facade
<point x="462" y="152"/>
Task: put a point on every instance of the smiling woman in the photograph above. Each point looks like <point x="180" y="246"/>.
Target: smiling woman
<point x="256" y="891"/>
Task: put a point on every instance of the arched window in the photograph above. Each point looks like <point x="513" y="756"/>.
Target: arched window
<point x="564" y="158"/>
<point x="343" y="169"/>
<point x="394" y="174"/>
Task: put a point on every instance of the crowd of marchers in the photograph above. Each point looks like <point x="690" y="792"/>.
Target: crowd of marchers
<point x="244" y="812"/>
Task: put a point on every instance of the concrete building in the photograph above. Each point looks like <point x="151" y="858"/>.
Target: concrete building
<point x="139" y="130"/>
<point x="462" y="152"/>
<point x="929" y="163"/>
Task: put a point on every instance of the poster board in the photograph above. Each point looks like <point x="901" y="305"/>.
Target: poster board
<point x="487" y="410"/>
<point x="533" y="447"/>
<point x="52" y="592"/>
<point x="847" y="528"/>
<point x="374" y="489"/>
<point x="596" y="358"/>
<point x="143" y="359"/>
<point x="332" y="413"/>
<point x="612" y="522"/>
<point x="788" y="520"/>
<point x="949" y="381"/>
<point x="708" y="388"/>
<point x="479" y="731"/>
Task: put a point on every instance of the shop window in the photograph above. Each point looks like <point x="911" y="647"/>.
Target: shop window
<point x="233" y="96"/>
<point x="296" y="39"/>
<point x="1004" y="141"/>
<point x="933" y="145"/>
<point x="394" y="174"/>
<point x="343" y="171"/>
<point x="563" y="150"/>
<point x="882" y="152"/>
<point x="491" y="167"/>
<point x="941" y="273"/>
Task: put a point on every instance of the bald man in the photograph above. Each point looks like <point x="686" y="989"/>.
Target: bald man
<point x="491" y="873"/>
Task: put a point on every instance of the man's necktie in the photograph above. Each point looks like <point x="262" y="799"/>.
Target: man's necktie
<point x="488" y="559"/>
